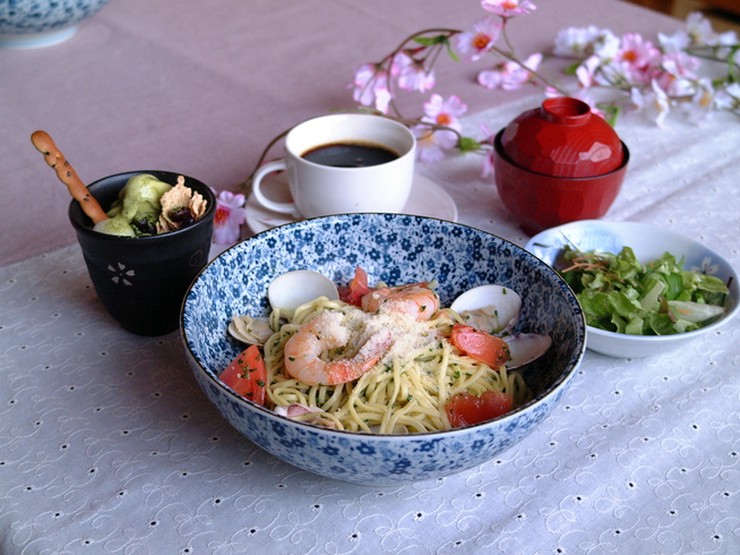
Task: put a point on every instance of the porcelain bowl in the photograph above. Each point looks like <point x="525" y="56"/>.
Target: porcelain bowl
<point x="37" y="23"/>
<point x="648" y="242"/>
<point x="397" y="249"/>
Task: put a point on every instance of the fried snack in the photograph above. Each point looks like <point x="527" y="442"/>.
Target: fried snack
<point x="180" y="207"/>
<point x="67" y="175"/>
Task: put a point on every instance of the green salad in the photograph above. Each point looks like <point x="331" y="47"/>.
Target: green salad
<point x="620" y="294"/>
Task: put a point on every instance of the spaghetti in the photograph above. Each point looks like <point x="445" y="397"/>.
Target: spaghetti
<point x="406" y="391"/>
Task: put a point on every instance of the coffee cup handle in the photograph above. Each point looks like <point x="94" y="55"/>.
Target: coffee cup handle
<point x="259" y="175"/>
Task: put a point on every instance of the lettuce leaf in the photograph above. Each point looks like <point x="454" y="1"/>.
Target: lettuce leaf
<point x="618" y="293"/>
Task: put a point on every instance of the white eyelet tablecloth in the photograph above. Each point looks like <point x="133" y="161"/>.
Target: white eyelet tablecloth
<point x="108" y="446"/>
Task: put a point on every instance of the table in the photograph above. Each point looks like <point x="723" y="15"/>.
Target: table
<point x="108" y="446"/>
<point x="201" y="90"/>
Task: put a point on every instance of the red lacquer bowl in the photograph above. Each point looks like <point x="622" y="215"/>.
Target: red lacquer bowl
<point x="538" y="201"/>
<point x="563" y="138"/>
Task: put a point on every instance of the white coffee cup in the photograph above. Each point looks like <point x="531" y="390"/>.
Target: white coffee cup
<point x="318" y="189"/>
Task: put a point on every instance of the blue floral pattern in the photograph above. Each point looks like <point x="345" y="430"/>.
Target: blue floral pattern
<point x="36" y="16"/>
<point x="395" y="249"/>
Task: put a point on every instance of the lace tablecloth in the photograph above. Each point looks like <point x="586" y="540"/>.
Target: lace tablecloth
<point x="108" y="446"/>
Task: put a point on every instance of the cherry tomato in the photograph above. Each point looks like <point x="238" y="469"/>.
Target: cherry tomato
<point x="483" y="347"/>
<point x="246" y="375"/>
<point x="465" y="409"/>
<point x="356" y="289"/>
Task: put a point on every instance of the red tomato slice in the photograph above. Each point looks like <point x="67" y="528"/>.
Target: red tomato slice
<point x="465" y="409"/>
<point x="483" y="347"/>
<point x="356" y="289"/>
<point x="246" y="375"/>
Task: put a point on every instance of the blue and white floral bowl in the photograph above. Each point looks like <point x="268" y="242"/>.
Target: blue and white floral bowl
<point x="397" y="249"/>
<point x="37" y="23"/>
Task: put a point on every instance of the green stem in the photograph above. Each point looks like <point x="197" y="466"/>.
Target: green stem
<point x="512" y="58"/>
<point x="388" y="60"/>
<point x="505" y="34"/>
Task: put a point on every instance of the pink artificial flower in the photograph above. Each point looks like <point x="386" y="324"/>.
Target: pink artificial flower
<point x="412" y="75"/>
<point x="362" y="89"/>
<point x="430" y="144"/>
<point x="654" y="104"/>
<point x="510" y="76"/>
<point x="676" y="73"/>
<point x="474" y="44"/>
<point x="370" y="87"/>
<point x="638" y="58"/>
<point x="487" y="165"/>
<point x="586" y="71"/>
<point x="728" y="98"/>
<point x="582" y="42"/>
<point x="678" y="41"/>
<point x="699" y="29"/>
<point x="702" y="101"/>
<point x="444" y="112"/>
<point x="433" y="142"/>
<point x="508" y="8"/>
<point x="230" y="215"/>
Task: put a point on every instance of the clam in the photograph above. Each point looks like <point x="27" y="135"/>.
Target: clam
<point x="495" y="309"/>
<point x="286" y="292"/>
<point x="292" y="289"/>
<point x="526" y="347"/>
<point x="254" y="331"/>
<point x="490" y="308"/>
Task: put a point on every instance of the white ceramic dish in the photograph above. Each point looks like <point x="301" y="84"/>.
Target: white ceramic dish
<point x="426" y="199"/>
<point x="648" y="242"/>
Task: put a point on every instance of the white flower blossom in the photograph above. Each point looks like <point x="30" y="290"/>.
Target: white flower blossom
<point x="584" y="42"/>
<point x="728" y="98"/>
<point x="702" y="101"/>
<point x="654" y="103"/>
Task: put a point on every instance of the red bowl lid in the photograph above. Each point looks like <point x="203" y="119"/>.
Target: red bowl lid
<point x="563" y="138"/>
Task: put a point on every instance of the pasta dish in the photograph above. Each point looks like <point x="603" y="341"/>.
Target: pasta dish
<point x="389" y="361"/>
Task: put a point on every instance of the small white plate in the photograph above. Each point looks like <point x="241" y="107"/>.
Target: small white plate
<point x="648" y="243"/>
<point x="426" y="199"/>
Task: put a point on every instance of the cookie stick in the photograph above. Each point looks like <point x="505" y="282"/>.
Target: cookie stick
<point x="67" y="175"/>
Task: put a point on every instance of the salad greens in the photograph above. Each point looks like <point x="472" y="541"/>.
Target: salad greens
<point x="618" y="293"/>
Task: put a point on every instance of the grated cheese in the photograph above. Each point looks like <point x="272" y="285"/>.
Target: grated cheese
<point x="409" y="336"/>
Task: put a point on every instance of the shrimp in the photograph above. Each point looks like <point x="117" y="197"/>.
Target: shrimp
<point x="416" y="300"/>
<point x="326" y="332"/>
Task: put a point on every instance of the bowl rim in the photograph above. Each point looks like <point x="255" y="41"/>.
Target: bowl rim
<point x="648" y="227"/>
<point x="556" y="388"/>
<point x="74" y="209"/>
<point x="498" y="151"/>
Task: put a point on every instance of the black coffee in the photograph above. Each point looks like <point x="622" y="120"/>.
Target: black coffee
<point x="350" y="155"/>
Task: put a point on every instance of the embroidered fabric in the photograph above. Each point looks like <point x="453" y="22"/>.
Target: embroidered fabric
<point x="108" y="446"/>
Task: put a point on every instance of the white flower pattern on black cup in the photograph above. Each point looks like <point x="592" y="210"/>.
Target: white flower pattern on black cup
<point x="121" y="274"/>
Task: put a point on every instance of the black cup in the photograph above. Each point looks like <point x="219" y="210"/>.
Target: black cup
<point x="142" y="281"/>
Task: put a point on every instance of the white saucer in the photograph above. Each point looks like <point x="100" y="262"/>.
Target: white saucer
<point x="426" y="199"/>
